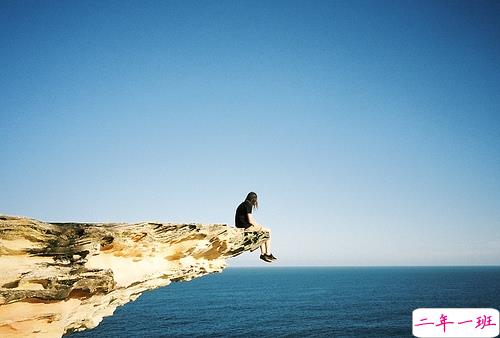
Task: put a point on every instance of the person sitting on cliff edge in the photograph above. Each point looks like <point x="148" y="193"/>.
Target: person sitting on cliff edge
<point x="244" y="219"/>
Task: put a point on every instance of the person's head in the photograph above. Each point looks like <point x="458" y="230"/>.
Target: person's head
<point x="252" y="198"/>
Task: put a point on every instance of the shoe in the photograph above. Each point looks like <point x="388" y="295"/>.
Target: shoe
<point x="266" y="258"/>
<point x="271" y="256"/>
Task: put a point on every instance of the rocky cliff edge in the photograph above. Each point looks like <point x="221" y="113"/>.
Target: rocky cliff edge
<point x="61" y="277"/>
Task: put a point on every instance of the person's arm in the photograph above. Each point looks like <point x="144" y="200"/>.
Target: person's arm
<point x="253" y="222"/>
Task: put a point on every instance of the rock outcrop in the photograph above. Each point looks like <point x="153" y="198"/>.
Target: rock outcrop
<point x="61" y="277"/>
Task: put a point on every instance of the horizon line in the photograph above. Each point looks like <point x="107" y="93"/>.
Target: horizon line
<point x="363" y="266"/>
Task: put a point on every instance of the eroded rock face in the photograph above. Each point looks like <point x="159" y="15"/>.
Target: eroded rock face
<point x="60" y="277"/>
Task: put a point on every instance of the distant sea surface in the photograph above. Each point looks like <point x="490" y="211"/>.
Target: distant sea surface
<point x="312" y="302"/>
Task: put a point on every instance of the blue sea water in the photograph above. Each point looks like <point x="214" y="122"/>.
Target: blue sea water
<point x="311" y="302"/>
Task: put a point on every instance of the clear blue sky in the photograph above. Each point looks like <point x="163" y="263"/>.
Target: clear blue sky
<point x="369" y="129"/>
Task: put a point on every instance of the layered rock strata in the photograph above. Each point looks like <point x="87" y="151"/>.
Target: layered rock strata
<point x="60" y="277"/>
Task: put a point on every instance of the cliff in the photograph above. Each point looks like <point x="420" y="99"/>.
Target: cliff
<point x="60" y="277"/>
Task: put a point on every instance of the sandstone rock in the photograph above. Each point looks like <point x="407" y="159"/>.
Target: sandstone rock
<point x="60" y="277"/>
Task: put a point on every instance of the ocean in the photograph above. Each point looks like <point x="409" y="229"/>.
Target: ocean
<point x="301" y="301"/>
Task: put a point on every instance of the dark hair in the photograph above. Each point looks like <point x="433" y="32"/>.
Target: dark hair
<point x="252" y="198"/>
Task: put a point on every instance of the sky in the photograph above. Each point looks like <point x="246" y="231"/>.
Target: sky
<point x="369" y="129"/>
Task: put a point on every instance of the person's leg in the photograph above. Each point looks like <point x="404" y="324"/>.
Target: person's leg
<point x="267" y="244"/>
<point x="257" y="228"/>
<point x="265" y="247"/>
<point x="253" y="228"/>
